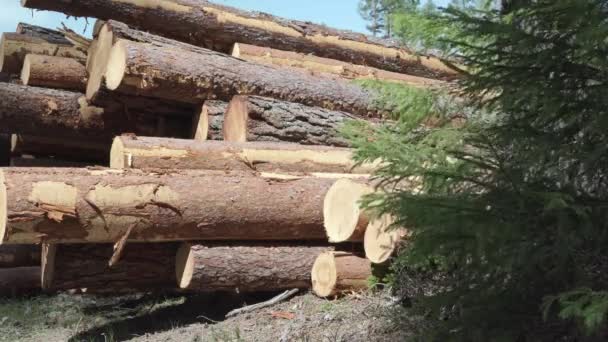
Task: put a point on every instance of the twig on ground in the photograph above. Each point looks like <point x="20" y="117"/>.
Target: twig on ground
<point x="283" y="296"/>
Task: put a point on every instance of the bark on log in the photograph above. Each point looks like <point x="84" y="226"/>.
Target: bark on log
<point x="209" y="123"/>
<point x="344" y="219"/>
<point x="382" y="239"/>
<point x="198" y="22"/>
<point x="200" y="268"/>
<point x="49" y="35"/>
<point x="19" y="280"/>
<point x="72" y="150"/>
<point x="12" y="256"/>
<point x="42" y="111"/>
<point x="144" y="152"/>
<point x="168" y="72"/>
<point x="325" y="66"/>
<point x="255" y="118"/>
<point x="54" y="72"/>
<point x="143" y="267"/>
<point x="29" y="161"/>
<point x="96" y="206"/>
<point x="14" y="47"/>
<point x="335" y="273"/>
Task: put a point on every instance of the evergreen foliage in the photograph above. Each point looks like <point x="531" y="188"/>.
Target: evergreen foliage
<point x="511" y="207"/>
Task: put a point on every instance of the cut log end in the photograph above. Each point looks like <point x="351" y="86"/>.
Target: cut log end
<point x="117" y="155"/>
<point x="117" y="65"/>
<point x="235" y="120"/>
<point x="47" y="260"/>
<point x="25" y="71"/>
<point x="236" y="50"/>
<point x="99" y="61"/>
<point x="343" y="218"/>
<point x="184" y="266"/>
<point x="381" y="239"/>
<point x="324" y="276"/>
<point x="3" y="207"/>
<point x="201" y="125"/>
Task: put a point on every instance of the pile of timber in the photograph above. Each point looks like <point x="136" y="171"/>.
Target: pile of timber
<point x="191" y="147"/>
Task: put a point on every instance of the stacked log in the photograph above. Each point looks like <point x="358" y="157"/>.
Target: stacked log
<point x="334" y="273"/>
<point x="53" y="72"/>
<point x="209" y="122"/>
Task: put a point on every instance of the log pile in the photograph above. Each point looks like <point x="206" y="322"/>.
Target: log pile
<point x="194" y="147"/>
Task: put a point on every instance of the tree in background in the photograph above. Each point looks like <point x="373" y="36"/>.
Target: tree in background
<point x="509" y="210"/>
<point x="379" y="14"/>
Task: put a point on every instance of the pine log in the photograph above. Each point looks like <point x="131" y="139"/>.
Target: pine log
<point x="19" y="280"/>
<point x="53" y="72"/>
<point x="209" y="123"/>
<point x="325" y="66"/>
<point x="51" y="112"/>
<point x="30" y="161"/>
<point x="143" y="267"/>
<point x="71" y="150"/>
<point x="145" y="152"/>
<point x="334" y="273"/>
<point x="198" y="22"/>
<point x="96" y="206"/>
<point x="14" y="47"/>
<point x="255" y="118"/>
<point x="12" y="256"/>
<point x="171" y="73"/>
<point x="201" y="268"/>
<point x="344" y="219"/>
<point x="382" y="239"/>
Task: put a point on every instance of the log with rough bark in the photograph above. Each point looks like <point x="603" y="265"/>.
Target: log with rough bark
<point x="344" y="219"/>
<point x="53" y="72"/>
<point x="12" y="256"/>
<point x="325" y="66"/>
<point x="381" y="239"/>
<point x="143" y="267"/>
<point x="19" y="280"/>
<point x="71" y="150"/>
<point x="201" y="268"/>
<point x="334" y="273"/>
<point x="36" y="40"/>
<point x="199" y="22"/>
<point x="209" y="122"/>
<point x="52" y="112"/>
<point x="97" y="205"/>
<point x="255" y="118"/>
<point x="171" y="73"/>
<point x="30" y="161"/>
<point x="146" y="152"/>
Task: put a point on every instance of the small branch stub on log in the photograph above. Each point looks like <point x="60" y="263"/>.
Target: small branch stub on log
<point x="53" y="72"/>
<point x="255" y="118"/>
<point x="245" y="268"/>
<point x="381" y="239"/>
<point x="335" y="273"/>
<point x="146" y="152"/>
<point x="208" y="124"/>
<point x="344" y="219"/>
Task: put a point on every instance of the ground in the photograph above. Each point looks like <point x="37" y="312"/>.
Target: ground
<point x="305" y="317"/>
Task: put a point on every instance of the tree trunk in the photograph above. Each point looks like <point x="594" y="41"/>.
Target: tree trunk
<point x="71" y="150"/>
<point x="54" y="72"/>
<point x="382" y="239"/>
<point x="12" y="256"/>
<point x="209" y="123"/>
<point x="199" y="22"/>
<point x="335" y="273"/>
<point x="201" y="268"/>
<point x="255" y="118"/>
<point x="14" y="47"/>
<point x="168" y="72"/>
<point x="324" y="66"/>
<point x="51" y="112"/>
<point x="141" y="153"/>
<point x="143" y="267"/>
<point x="96" y="206"/>
<point x="19" y="280"/>
<point x="344" y="219"/>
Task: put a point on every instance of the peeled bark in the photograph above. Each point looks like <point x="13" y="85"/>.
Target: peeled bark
<point x="71" y="150"/>
<point x="96" y="206"/>
<point x="335" y="273"/>
<point x="382" y="239"/>
<point x="14" y="47"/>
<point x="143" y="152"/>
<point x="168" y="72"/>
<point x="143" y="267"/>
<point x="255" y="118"/>
<point x="325" y="66"/>
<point x="208" y="124"/>
<point x="54" y="72"/>
<point x="12" y="256"/>
<point x="200" y="268"/>
<point x="19" y="280"/>
<point x="61" y="113"/>
<point x="203" y="23"/>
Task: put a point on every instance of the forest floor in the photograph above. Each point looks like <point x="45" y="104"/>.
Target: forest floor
<point x="305" y="317"/>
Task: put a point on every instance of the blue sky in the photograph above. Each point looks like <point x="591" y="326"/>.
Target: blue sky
<point x="335" y="13"/>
